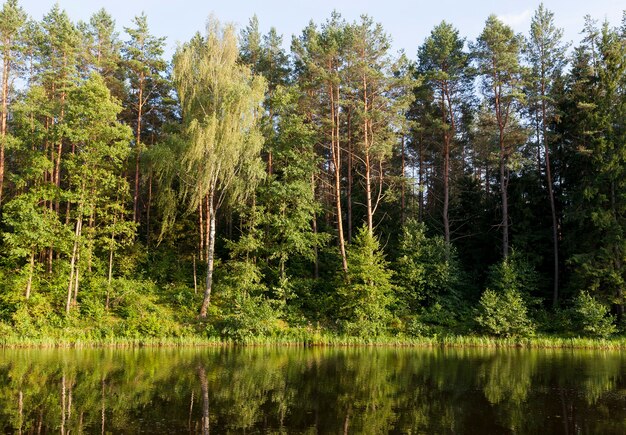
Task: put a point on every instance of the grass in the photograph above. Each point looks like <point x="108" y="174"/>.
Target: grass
<point x="302" y="337"/>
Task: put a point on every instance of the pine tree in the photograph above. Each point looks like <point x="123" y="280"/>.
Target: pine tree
<point x="546" y="54"/>
<point x="144" y="64"/>
<point x="320" y="60"/>
<point x="497" y="52"/>
<point x="444" y="66"/>
<point x="375" y="107"/>
<point x="12" y="21"/>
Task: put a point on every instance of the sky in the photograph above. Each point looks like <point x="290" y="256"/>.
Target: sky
<point x="407" y="22"/>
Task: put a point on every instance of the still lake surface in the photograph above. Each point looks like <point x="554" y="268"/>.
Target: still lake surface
<point x="312" y="390"/>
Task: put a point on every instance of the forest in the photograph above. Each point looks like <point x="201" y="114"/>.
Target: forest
<point x="243" y="191"/>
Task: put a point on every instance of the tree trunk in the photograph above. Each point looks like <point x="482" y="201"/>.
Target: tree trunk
<point x="555" y="231"/>
<point x="3" y="125"/>
<point x="368" y="169"/>
<point x="63" y="405"/>
<point x="446" y="193"/>
<point x="209" y="258"/>
<point x="505" y="200"/>
<point x="402" y="185"/>
<point x="73" y="264"/>
<point x="368" y="194"/>
<point x="103" y="411"/>
<point x="201" y="227"/>
<point x="336" y="157"/>
<point x="148" y="209"/>
<point x="20" y="410"/>
<point x="195" y="276"/>
<point x="316" y="266"/>
<point x="420" y="178"/>
<point x="350" y="181"/>
<point x="110" y="277"/>
<point x="446" y="162"/>
<point x="502" y="120"/>
<point x="138" y="149"/>
<point x="190" y="411"/>
<point x="204" y="386"/>
<point x="30" y="273"/>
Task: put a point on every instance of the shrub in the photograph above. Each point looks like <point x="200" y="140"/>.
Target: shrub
<point x="591" y="318"/>
<point x="250" y="317"/>
<point x="503" y="314"/>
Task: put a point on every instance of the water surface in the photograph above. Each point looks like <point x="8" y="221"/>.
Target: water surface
<point x="304" y="390"/>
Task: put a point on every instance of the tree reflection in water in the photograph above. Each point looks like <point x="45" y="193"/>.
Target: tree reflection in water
<point x="319" y="390"/>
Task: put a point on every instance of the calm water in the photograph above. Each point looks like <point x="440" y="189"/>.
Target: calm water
<point x="282" y="390"/>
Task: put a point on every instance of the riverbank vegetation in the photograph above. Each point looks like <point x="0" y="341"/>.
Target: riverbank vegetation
<point x="331" y="193"/>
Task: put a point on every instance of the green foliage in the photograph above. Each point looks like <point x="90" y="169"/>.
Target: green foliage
<point x="249" y="318"/>
<point x="367" y="293"/>
<point x="515" y="273"/>
<point x="245" y="310"/>
<point x="31" y="227"/>
<point x="504" y="314"/>
<point x="241" y="156"/>
<point x="142" y="312"/>
<point x="503" y="306"/>
<point x="591" y="318"/>
<point x="424" y="274"/>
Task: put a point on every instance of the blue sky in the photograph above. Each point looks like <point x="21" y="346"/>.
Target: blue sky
<point x="407" y="22"/>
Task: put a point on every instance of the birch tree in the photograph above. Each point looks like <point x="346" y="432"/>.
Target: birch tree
<point x="220" y="101"/>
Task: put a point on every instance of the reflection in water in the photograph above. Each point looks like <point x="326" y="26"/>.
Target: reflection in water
<point x="355" y="390"/>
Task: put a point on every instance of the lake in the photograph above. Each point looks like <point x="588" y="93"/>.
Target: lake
<point x="312" y="390"/>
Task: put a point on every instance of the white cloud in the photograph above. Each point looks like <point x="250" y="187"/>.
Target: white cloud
<point x="516" y="20"/>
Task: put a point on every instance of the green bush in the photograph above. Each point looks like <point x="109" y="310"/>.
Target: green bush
<point x="592" y="318"/>
<point x="504" y="314"/>
<point x="250" y="317"/>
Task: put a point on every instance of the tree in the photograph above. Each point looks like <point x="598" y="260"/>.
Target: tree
<point x="593" y="109"/>
<point x="142" y="55"/>
<point x="425" y="271"/>
<point x="32" y="228"/>
<point x="95" y="170"/>
<point x="12" y="21"/>
<point x="266" y="57"/>
<point x="444" y="67"/>
<point x="320" y="59"/>
<point x="497" y="53"/>
<point x="287" y="205"/>
<point x="57" y="72"/>
<point x="220" y="100"/>
<point x="546" y="54"/>
<point x="103" y="51"/>
<point x="504" y="314"/>
<point x="375" y="107"/>
<point x="367" y="293"/>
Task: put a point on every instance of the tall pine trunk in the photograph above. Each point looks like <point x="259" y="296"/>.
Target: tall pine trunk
<point x="504" y="198"/>
<point x="3" y="125"/>
<point x="368" y="169"/>
<point x="555" y="231"/>
<point x="138" y="149"/>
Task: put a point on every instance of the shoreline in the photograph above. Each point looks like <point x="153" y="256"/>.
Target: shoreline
<point x="452" y="341"/>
